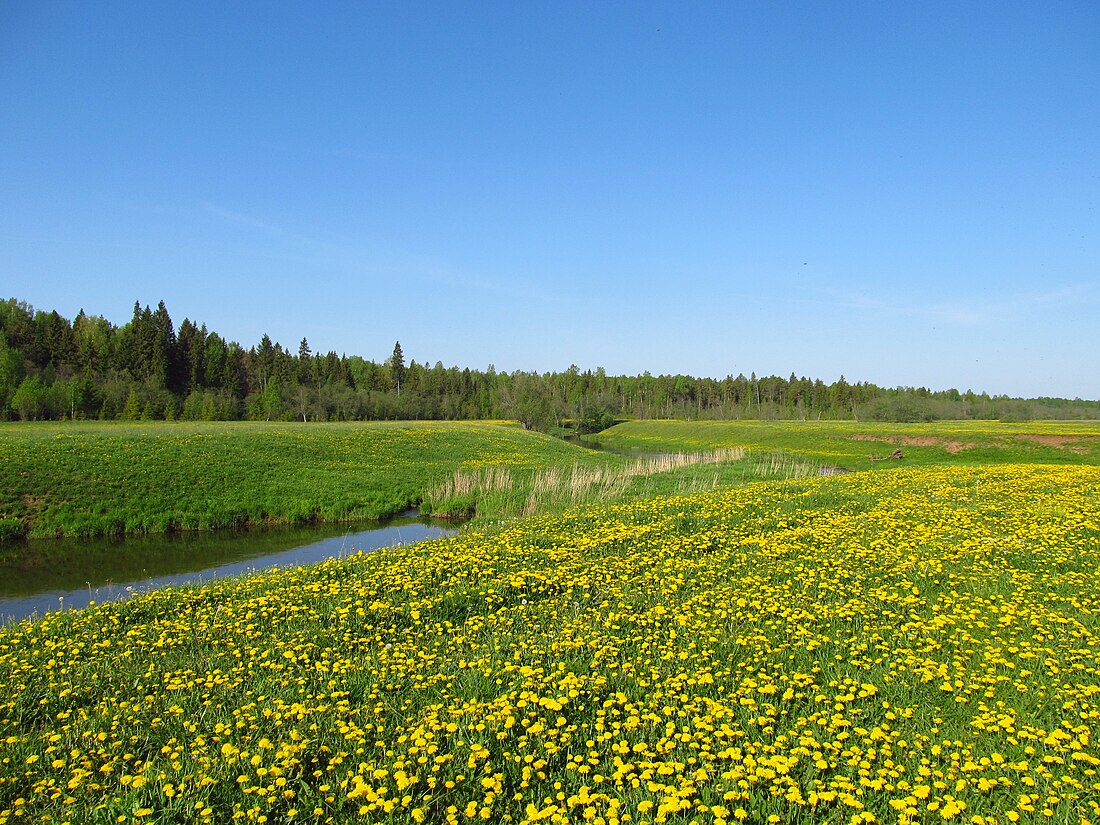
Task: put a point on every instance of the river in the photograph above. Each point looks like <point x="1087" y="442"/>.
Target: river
<point x="45" y="575"/>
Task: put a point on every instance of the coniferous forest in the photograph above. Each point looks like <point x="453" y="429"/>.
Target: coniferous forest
<point x="54" y="368"/>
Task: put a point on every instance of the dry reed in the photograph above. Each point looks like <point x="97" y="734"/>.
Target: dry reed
<point x="578" y="484"/>
<point x="778" y="465"/>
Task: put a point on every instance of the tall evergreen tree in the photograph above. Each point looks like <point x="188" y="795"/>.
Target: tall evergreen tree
<point x="305" y="364"/>
<point x="264" y="369"/>
<point x="397" y="366"/>
<point x="166" y="367"/>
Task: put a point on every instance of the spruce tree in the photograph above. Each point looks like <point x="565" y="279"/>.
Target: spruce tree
<point x="132" y="410"/>
<point x="397" y="366"/>
<point x="305" y="364"/>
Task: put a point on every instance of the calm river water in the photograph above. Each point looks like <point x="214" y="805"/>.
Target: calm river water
<point x="37" y="577"/>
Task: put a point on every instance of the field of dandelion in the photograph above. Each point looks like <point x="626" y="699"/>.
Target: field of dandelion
<point x="919" y="645"/>
<point x="84" y="479"/>
<point x="682" y="457"/>
<point x="856" y="445"/>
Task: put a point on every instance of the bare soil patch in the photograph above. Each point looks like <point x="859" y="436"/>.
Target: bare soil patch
<point x="1049" y="440"/>
<point x="917" y="441"/>
<point x="33" y="507"/>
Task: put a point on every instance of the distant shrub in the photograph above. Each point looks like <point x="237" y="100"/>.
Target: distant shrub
<point x="11" y="529"/>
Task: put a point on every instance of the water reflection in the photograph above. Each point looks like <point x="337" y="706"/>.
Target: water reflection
<point x="42" y="576"/>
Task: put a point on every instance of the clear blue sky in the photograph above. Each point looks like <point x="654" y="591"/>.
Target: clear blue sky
<point x="903" y="193"/>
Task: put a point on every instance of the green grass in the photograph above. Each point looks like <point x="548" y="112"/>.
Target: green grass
<point x="103" y="479"/>
<point x="850" y="445"/>
<point x="912" y="646"/>
<point x="656" y="644"/>
<point x="599" y="477"/>
<point x="90" y="479"/>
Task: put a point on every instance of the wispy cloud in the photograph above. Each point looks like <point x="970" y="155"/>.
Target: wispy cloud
<point x="241" y="219"/>
<point x="279" y="241"/>
<point x="971" y="311"/>
<point x="346" y="254"/>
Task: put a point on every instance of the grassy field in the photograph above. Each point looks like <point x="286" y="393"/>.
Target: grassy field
<point x="851" y="444"/>
<point x="103" y="479"/>
<point x="913" y="646"/>
<point x="91" y="479"/>
<point x="95" y="479"/>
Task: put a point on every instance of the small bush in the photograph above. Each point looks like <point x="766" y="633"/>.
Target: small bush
<point x="12" y="529"/>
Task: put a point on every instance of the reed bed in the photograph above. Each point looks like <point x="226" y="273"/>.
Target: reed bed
<point x="466" y="483"/>
<point x="553" y="488"/>
<point x="785" y="466"/>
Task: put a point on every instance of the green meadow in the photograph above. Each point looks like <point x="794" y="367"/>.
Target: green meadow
<point x="854" y="445"/>
<point x="88" y="479"/>
<point x="913" y="646"/>
<point x="710" y="631"/>
<point x="91" y="479"/>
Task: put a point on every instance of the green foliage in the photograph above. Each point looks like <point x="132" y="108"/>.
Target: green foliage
<point x="29" y="400"/>
<point x="132" y="410"/>
<point x="528" y="402"/>
<point x="11" y="528"/>
<point x="397" y="366"/>
<point x="595" y="420"/>
<point x="267" y="382"/>
<point x="11" y="375"/>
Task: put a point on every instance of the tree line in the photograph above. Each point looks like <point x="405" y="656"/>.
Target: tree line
<point x="52" y="368"/>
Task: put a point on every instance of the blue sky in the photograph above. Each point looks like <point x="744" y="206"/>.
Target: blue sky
<point x="902" y="193"/>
